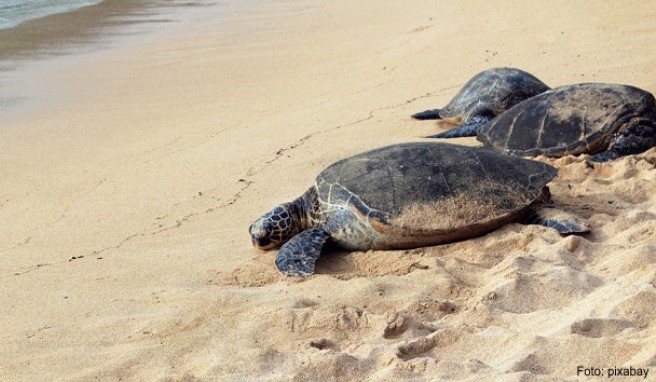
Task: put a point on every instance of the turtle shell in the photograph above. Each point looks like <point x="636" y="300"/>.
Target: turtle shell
<point x="491" y="92"/>
<point x="440" y="191"/>
<point x="572" y="119"/>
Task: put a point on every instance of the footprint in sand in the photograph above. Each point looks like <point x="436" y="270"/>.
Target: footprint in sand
<point x="415" y="348"/>
<point x="420" y="346"/>
<point x="399" y="324"/>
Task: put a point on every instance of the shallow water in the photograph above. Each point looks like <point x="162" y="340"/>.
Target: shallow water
<point x="14" y="12"/>
<point x="74" y="28"/>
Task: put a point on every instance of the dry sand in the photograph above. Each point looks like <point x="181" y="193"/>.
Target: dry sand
<point x="129" y="176"/>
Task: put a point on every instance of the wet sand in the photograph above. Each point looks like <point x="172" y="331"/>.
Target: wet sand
<point x="130" y="175"/>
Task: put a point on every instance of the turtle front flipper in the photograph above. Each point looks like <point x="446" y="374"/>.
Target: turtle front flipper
<point x="552" y="217"/>
<point x="298" y="256"/>
<point x="427" y="114"/>
<point x="467" y="129"/>
<point x="635" y="139"/>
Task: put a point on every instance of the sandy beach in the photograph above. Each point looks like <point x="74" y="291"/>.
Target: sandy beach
<point x="130" y="172"/>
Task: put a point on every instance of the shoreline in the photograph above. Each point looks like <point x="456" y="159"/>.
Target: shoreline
<point x="110" y="24"/>
<point x="129" y="177"/>
<point x="67" y="30"/>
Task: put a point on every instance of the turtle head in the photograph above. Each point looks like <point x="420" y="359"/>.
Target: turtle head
<point x="274" y="228"/>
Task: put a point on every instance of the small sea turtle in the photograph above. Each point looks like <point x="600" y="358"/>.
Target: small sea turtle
<point x="406" y="196"/>
<point x="483" y="97"/>
<point x="608" y="120"/>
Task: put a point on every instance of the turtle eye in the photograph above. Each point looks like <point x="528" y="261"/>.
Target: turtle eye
<point x="271" y="228"/>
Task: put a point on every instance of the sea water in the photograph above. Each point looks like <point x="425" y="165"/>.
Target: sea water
<point x="30" y="44"/>
<point x="14" y="12"/>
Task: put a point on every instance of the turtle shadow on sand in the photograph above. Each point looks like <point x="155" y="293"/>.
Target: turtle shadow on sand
<point x="334" y="260"/>
<point x="342" y="264"/>
<point x="408" y="196"/>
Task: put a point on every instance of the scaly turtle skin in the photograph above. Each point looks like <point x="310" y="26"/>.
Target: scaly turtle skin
<point x="405" y="196"/>
<point x="486" y="95"/>
<point x="609" y="120"/>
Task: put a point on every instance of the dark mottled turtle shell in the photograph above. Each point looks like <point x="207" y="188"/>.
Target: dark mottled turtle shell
<point x="427" y="193"/>
<point x="492" y="92"/>
<point x="573" y="119"/>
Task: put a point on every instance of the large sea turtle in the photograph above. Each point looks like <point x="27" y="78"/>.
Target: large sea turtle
<point x="483" y="97"/>
<point x="608" y="120"/>
<point x="405" y="196"/>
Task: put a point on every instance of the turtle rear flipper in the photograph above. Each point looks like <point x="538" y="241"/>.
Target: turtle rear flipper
<point x="633" y="140"/>
<point x="467" y="129"/>
<point x="298" y="256"/>
<point x="427" y="114"/>
<point x="561" y="221"/>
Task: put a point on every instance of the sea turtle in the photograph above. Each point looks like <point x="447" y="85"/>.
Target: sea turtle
<point x="406" y="196"/>
<point x="483" y="97"/>
<point x="609" y="120"/>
